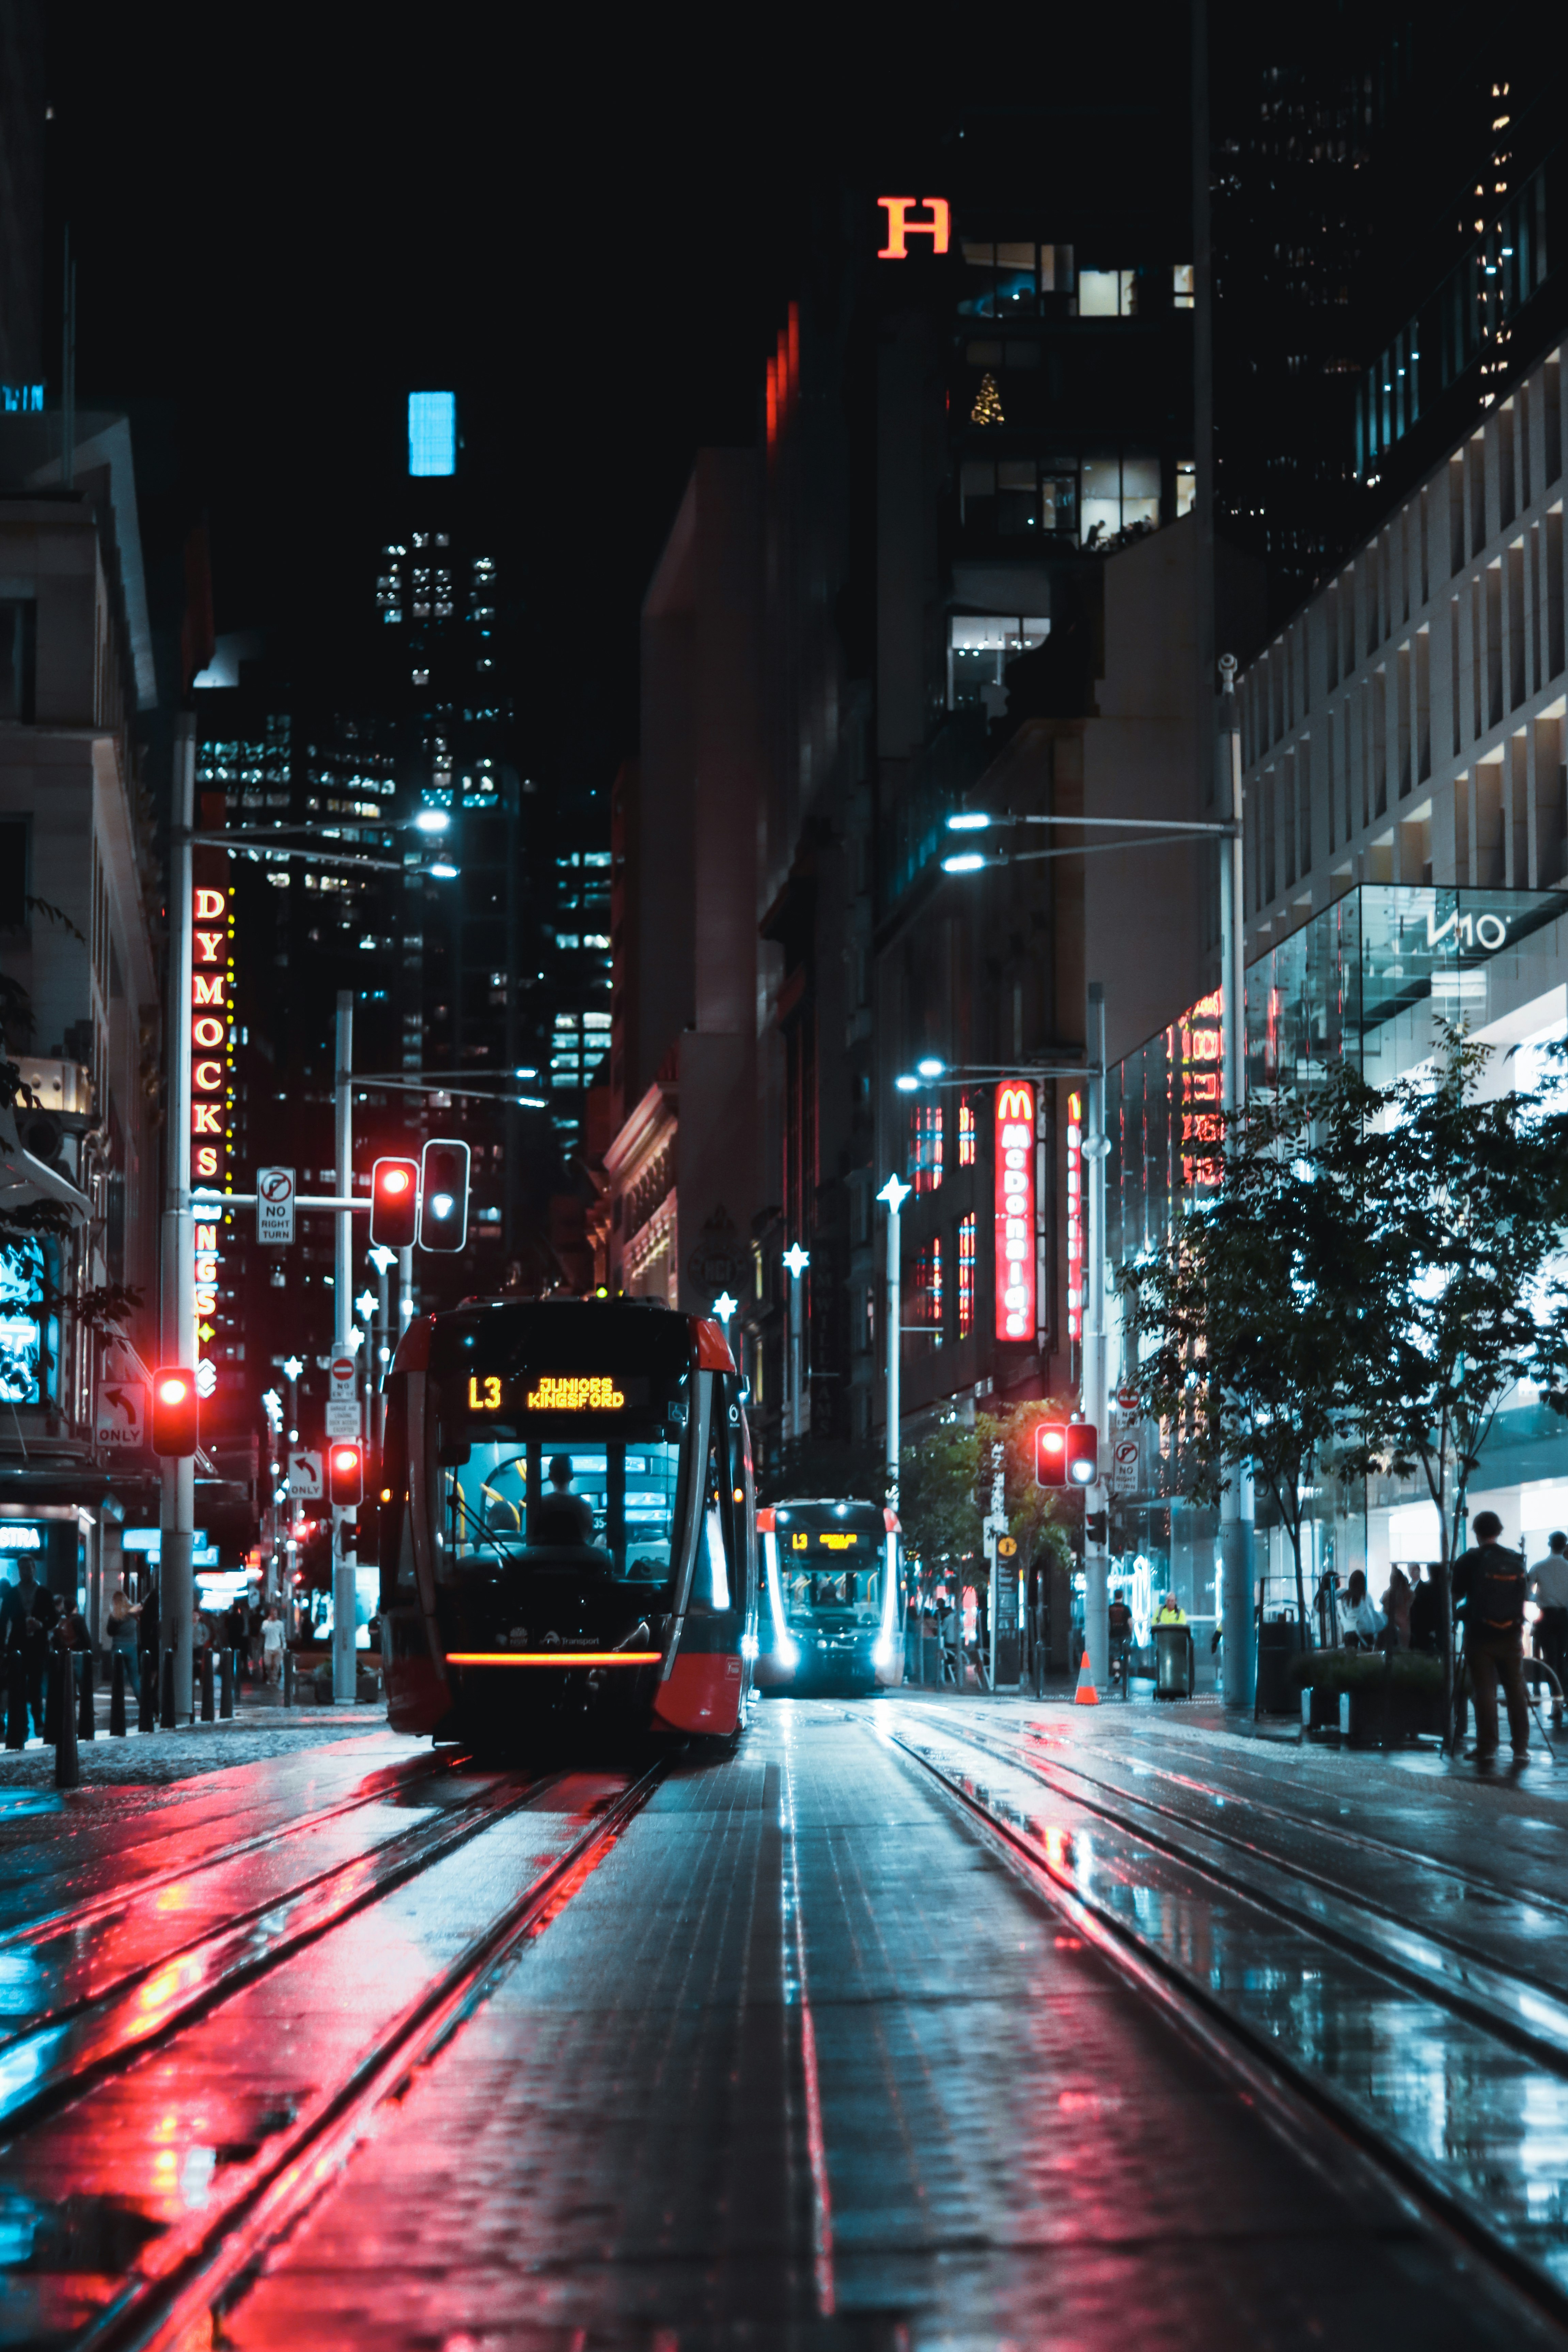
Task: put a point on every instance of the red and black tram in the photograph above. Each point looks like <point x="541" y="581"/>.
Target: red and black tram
<point x="568" y="1527"/>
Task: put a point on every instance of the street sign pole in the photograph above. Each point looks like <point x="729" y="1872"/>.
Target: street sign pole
<point x="177" y="1512"/>
<point x="345" y="1594"/>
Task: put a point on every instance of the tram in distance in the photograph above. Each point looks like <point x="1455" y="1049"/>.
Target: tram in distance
<point x="833" y="1578"/>
<point x="568" y="1525"/>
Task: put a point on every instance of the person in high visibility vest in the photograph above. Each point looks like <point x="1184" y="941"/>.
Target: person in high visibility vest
<point x="1170" y="1612"/>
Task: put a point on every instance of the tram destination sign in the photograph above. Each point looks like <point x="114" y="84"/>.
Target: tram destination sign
<point x="591" y="1395"/>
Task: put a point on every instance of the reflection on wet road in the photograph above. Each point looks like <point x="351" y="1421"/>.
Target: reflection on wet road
<point x="798" y="2058"/>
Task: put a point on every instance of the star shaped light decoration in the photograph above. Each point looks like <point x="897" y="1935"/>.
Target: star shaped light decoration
<point x="796" y="1259"/>
<point x="725" y="1307"/>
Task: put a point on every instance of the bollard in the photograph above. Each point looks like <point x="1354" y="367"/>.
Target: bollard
<point x="207" y="1684"/>
<point x="117" y="1696"/>
<point x="166" y="1690"/>
<point x="16" y="1702"/>
<point x="87" y="1721"/>
<point x="67" y="1758"/>
<point x="147" y="1692"/>
<point x="225" y="1683"/>
<point x="288" y="1677"/>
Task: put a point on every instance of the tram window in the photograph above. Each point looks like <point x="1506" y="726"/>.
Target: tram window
<point x="858" y="1589"/>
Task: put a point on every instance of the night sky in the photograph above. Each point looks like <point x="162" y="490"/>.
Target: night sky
<point x="587" y="223"/>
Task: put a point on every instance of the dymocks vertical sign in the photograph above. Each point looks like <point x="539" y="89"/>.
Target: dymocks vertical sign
<point x="1014" y="1159"/>
<point x="211" y="1014"/>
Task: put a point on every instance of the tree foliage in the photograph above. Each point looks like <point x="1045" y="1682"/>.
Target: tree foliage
<point x="1250" y="1322"/>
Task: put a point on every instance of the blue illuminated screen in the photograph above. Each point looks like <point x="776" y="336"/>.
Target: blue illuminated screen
<point x="432" y="432"/>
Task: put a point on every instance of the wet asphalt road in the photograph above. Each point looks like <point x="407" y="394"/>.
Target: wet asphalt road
<point x="800" y="2056"/>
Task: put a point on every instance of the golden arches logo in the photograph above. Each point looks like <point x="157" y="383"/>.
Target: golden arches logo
<point x="1015" y="1102"/>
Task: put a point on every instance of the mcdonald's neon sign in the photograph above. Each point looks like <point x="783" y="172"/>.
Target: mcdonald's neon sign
<point x="1015" y="1169"/>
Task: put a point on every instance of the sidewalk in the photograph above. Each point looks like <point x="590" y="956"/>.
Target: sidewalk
<point x="260" y="1727"/>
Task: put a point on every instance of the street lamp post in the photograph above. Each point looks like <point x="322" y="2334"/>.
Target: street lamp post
<point x="893" y="1195"/>
<point x="1239" y="1650"/>
<point x="345" y="1563"/>
<point x="797" y="1260"/>
<point x="1094" y="1399"/>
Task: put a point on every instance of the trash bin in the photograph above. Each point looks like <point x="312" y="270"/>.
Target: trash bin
<point x="1279" y="1641"/>
<point x="1173" y="1662"/>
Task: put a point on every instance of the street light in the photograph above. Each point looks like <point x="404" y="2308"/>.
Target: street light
<point x="930" y="1067"/>
<point x="968" y="861"/>
<point x="432" y="820"/>
<point x="906" y="1084"/>
<point x="968" y="821"/>
<point x="797" y="1260"/>
<point x="893" y="1195"/>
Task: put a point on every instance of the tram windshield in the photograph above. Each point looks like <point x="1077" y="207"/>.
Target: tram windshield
<point x="831" y="1561"/>
<point x="619" y="1497"/>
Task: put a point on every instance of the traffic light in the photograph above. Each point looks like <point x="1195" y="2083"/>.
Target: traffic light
<point x="345" y="1473"/>
<point x="1050" y="1453"/>
<point x="394" y="1203"/>
<point x="1082" y="1452"/>
<point x="444" y="1196"/>
<point x="174" y="1412"/>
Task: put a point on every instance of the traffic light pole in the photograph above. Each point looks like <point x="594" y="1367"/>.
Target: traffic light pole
<point x="177" y="1514"/>
<point x="1239" y="1650"/>
<point x="1096" y="1499"/>
<point x="345" y="1592"/>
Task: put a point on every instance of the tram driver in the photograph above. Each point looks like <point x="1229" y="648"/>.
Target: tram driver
<point x="561" y="1516"/>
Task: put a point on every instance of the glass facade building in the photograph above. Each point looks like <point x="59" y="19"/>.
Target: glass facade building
<point x="1365" y="981"/>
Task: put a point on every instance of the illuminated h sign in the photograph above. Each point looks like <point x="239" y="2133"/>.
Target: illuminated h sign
<point x="1016" y="1211"/>
<point x="432" y="432"/>
<point x="900" y="227"/>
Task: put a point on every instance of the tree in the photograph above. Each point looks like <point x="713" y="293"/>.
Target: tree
<point x="1251" y="1321"/>
<point x="1467" y="1199"/>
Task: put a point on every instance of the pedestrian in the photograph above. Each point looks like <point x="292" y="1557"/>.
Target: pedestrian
<point x="1427" y="1631"/>
<point x="271" y="1646"/>
<point x="1365" y="1624"/>
<point x="1396" y="1608"/>
<point x="1170" y="1612"/>
<point x="1489" y="1591"/>
<point x="1548" y="1588"/>
<point x="124" y="1635"/>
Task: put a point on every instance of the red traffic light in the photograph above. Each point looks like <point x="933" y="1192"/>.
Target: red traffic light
<point x="1050" y="1453"/>
<point x="394" y="1203"/>
<point x="345" y="1474"/>
<point x="1082" y="1454"/>
<point x="174" y="1412"/>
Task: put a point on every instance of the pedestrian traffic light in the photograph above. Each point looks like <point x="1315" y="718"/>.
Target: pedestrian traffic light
<point x="1082" y="1452"/>
<point x="394" y="1203"/>
<point x="1050" y="1453"/>
<point x="444" y="1196"/>
<point x="174" y="1412"/>
<point x="345" y="1474"/>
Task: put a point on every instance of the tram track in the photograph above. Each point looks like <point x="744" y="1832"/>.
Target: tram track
<point x="61" y="2052"/>
<point x="72" y="1918"/>
<point x="1428" y="1961"/>
<point x="205" y="2267"/>
<point x="1158" y="1911"/>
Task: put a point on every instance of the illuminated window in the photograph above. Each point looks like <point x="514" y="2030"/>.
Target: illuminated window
<point x="967" y="1231"/>
<point x="1182" y="294"/>
<point x="925" y="1146"/>
<point x="925" y="1294"/>
<point x="966" y="1132"/>
<point x="1119" y="494"/>
<point x="980" y="648"/>
<point x="1186" y="487"/>
<point x="432" y="435"/>
<point x="1007" y="280"/>
<point x="1107" y="294"/>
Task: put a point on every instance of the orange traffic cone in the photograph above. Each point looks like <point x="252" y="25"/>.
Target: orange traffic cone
<point x="1086" y="1695"/>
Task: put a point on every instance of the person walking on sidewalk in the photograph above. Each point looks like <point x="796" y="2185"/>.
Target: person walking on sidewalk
<point x="1548" y="1588"/>
<point x="1488" y="1595"/>
<point x="271" y="1646"/>
<point x="123" y="1635"/>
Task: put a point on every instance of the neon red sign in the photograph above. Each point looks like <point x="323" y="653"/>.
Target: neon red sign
<point x="1075" y="1216"/>
<point x="211" y="1015"/>
<point x="900" y="227"/>
<point x="1016" y="1211"/>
